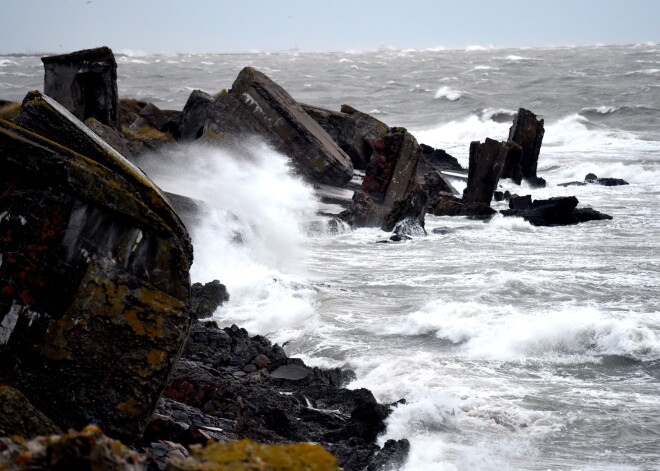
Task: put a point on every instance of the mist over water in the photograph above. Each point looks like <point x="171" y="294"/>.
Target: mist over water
<point x="515" y="347"/>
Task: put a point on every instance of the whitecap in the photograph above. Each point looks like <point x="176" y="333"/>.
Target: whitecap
<point x="448" y="93"/>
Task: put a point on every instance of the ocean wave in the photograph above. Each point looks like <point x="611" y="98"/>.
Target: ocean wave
<point x="503" y="333"/>
<point x="643" y="72"/>
<point x="499" y="115"/>
<point x="6" y="62"/>
<point x="449" y="93"/>
<point x="251" y="234"/>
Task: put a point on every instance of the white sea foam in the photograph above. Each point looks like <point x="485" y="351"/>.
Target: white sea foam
<point x="448" y="93"/>
<point x="507" y="334"/>
<point x="250" y="237"/>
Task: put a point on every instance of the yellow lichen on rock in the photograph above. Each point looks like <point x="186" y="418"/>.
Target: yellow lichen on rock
<point x="245" y="455"/>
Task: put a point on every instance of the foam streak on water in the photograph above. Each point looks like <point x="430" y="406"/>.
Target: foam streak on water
<point x="516" y="347"/>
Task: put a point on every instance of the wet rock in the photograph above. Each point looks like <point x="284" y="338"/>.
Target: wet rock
<point x="591" y="178"/>
<point x="354" y="131"/>
<point x="256" y="105"/>
<point x="85" y="83"/>
<point x="432" y="181"/>
<point x="449" y="205"/>
<point x="589" y="214"/>
<point x="520" y="202"/>
<point x="558" y="211"/>
<point x="207" y="298"/>
<point x="95" y="279"/>
<point x="192" y="121"/>
<point x="20" y="417"/>
<point x="392" y="456"/>
<point x="390" y="177"/>
<point x="527" y="131"/>
<point x="512" y="168"/>
<point x="486" y="163"/>
<point x="440" y="159"/>
<point x="407" y="215"/>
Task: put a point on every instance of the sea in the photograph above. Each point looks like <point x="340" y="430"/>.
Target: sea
<point x="515" y="347"/>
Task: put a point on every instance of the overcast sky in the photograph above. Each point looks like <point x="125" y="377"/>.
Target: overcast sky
<point x="320" y="25"/>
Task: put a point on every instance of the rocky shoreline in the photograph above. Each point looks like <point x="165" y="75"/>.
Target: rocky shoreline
<point x="99" y="323"/>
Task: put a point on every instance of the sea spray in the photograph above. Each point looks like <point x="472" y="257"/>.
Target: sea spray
<point x="250" y="235"/>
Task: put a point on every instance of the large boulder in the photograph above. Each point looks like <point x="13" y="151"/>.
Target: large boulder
<point x="486" y="163"/>
<point x="85" y="83"/>
<point x="526" y="131"/>
<point x="256" y="105"/>
<point x="390" y="177"/>
<point x="558" y="211"/>
<point x="94" y="270"/>
<point x="353" y="130"/>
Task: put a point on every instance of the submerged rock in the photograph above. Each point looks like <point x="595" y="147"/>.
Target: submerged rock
<point x="94" y="305"/>
<point x="591" y="178"/>
<point x="559" y="211"/>
<point x="85" y="83"/>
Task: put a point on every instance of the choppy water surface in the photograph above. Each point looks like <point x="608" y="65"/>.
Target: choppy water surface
<point x="515" y="347"/>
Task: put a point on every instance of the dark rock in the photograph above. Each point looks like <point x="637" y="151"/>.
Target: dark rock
<point x="440" y="159"/>
<point x="513" y="164"/>
<point x="392" y="456"/>
<point x="432" y="181"/>
<point x="449" y="205"/>
<point x="354" y="131"/>
<point x="486" y="162"/>
<point x="589" y="214"/>
<point x="572" y="184"/>
<point x="520" y="202"/>
<point x="527" y="132"/>
<point x="129" y="110"/>
<point x="162" y="120"/>
<point x="112" y="137"/>
<point x="498" y="196"/>
<point x="95" y="280"/>
<point x="189" y="210"/>
<point x="290" y="372"/>
<point x="192" y="121"/>
<point x="391" y="176"/>
<point x="591" y="178"/>
<point x="612" y="182"/>
<point x="261" y="361"/>
<point x="407" y="215"/>
<point x="258" y="106"/>
<point x="551" y="212"/>
<point x="85" y="83"/>
<point x="205" y="299"/>
<point x="20" y="417"/>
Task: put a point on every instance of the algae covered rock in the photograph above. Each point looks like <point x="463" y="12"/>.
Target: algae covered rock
<point x="245" y="455"/>
<point x="94" y="270"/>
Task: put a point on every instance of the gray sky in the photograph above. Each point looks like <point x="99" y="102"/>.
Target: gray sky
<point x="320" y="25"/>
